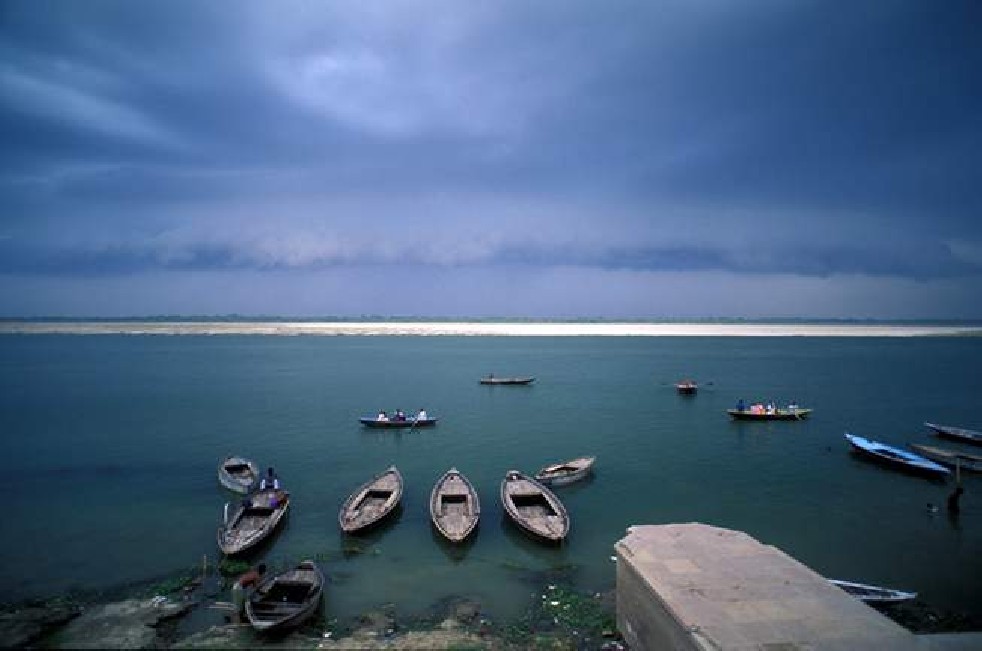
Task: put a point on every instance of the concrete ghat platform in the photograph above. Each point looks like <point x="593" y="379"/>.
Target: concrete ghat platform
<point x="698" y="587"/>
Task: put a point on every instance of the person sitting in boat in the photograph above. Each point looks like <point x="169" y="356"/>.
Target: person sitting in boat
<point x="248" y="580"/>
<point x="270" y="480"/>
<point x="421" y="415"/>
<point x="741" y="406"/>
<point x="770" y="408"/>
<point x="382" y="417"/>
<point x="400" y="415"/>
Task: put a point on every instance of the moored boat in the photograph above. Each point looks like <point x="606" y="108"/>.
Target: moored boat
<point x="238" y="474"/>
<point x="953" y="458"/>
<point x="507" y="380"/>
<point x="895" y="457"/>
<point x="566" y="472"/>
<point x="372" y="501"/>
<point x="454" y="506"/>
<point x="287" y="599"/>
<point x="956" y="433"/>
<point x="872" y="593"/>
<point x="253" y="521"/>
<point x="369" y="421"/>
<point x="533" y="507"/>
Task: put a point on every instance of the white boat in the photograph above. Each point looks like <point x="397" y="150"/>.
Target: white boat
<point x="873" y="593"/>
<point x="559" y="474"/>
<point x="238" y="474"/>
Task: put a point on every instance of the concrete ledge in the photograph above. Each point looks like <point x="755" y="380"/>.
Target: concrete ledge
<point x="697" y="587"/>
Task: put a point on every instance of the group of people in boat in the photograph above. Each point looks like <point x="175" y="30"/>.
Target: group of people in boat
<point x="399" y="415"/>
<point x="761" y="408"/>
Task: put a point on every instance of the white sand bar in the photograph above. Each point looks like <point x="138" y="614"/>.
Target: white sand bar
<point x="470" y="328"/>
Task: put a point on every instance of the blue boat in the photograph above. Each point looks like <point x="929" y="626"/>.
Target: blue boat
<point x="895" y="457"/>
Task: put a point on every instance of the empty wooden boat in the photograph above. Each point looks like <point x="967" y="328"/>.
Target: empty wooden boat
<point x="253" y="521"/>
<point x="372" y="501"/>
<point x="566" y="472"/>
<point x="454" y="506"/>
<point x="874" y="594"/>
<point x="956" y="433"/>
<point x="238" y="474"/>
<point x="287" y="599"/>
<point x="953" y="458"/>
<point x="507" y="380"/>
<point x="895" y="457"/>
<point x="533" y="507"/>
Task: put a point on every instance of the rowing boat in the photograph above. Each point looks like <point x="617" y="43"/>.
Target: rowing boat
<point x="872" y="593"/>
<point x="895" y="457"/>
<point x="238" y="474"/>
<point x="953" y="458"/>
<point x="254" y="520"/>
<point x="287" y="599"/>
<point x="371" y="501"/>
<point x="566" y="472"/>
<point x="507" y="380"/>
<point x="454" y="506"/>
<point x="956" y="433"/>
<point x="533" y="507"/>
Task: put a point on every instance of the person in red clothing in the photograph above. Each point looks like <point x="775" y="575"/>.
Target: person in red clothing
<point x="248" y="580"/>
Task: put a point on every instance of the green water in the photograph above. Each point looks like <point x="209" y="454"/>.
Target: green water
<point x="111" y="444"/>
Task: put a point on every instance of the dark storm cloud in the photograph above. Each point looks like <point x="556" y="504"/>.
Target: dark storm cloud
<point x="803" y="139"/>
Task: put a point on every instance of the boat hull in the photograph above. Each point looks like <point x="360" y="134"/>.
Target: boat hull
<point x="238" y="474"/>
<point x="397" y="424"/>
<point x="896" y="458"/>
<point x="455" y="508"/>
<point x="534" y="508"/>
<point x="286" y="600"/>
<point x="956" y="433"/>
<point x="780" y="414"/>
<point x="873" y="594"/>
<point x="951" y="458"/>
<point x="372" y="502"/>
<point x="567" y="472"/>
<point x="253" y="522"/>
<point x="508" y="380"/>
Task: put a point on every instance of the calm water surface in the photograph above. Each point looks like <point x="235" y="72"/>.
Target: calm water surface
<point x="111" y="445"/>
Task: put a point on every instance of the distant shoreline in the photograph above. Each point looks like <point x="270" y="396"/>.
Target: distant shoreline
<point x="488" y="328"/>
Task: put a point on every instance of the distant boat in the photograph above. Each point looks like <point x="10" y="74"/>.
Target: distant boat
<point x="533" y="507"/>
<point x="687" y="387"/>
<point x="566" y="472"/>
<point x="757" y="412"/>
<point x="254" y="520"/>
<point x="507" y="380"/>
<point x="372" y="501"/>
<point x="874" y="594"/>
<point x="895" y="457"/>
<point x="287" y="599"/>
<point x="238" y="474"/>
<point x="953" y="458"/>
<point x="373" y="421"/>
<point x="956" y="433"/>
<point x="454" y="506"/>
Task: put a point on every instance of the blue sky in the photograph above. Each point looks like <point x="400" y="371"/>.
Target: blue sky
<point x="603" y="159"/>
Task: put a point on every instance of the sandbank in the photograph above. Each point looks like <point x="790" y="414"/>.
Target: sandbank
<point x="485" y="329"/>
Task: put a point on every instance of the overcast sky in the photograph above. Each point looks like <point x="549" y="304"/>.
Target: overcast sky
<point x="689" y="158"/>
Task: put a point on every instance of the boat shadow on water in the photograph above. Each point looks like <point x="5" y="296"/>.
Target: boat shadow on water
<point x="355" y="543"/>
<point x="456" y="552"/>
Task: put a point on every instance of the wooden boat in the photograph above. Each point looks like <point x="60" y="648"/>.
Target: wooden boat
<point x="507" y="380"/>
<point x="454" y="506"/>
<point x="953" y="458"/>
<point x="533" y="507"/>
<point x="687" y="387"/>
<point x="372" y="421"/>
<point x="253" y="521"/>
<point x="238" y="474"/>
<point x="874" y="594"/>
<point x="791" y="412"/>
<point x="956" y="433"/>
<point x="372" y="501"/>
<point x="287" y="599"/>
<point x="895" y="457"/>
<point x="566" y="472"/>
